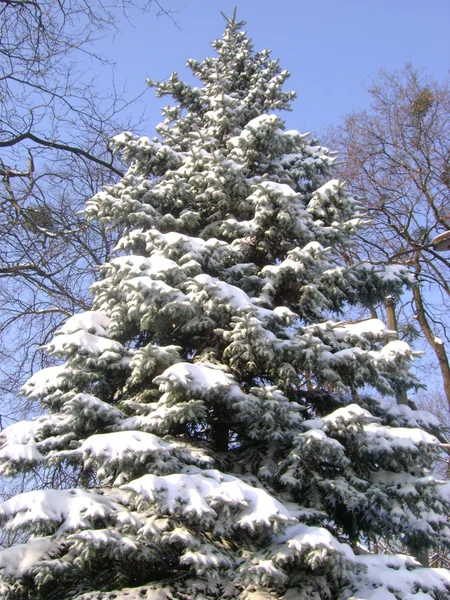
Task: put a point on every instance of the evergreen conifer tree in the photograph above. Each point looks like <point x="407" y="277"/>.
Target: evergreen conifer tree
<point x="208" y="414"/>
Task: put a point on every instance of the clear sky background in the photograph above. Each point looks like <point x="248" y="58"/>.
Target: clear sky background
<point x="333" y="48"/>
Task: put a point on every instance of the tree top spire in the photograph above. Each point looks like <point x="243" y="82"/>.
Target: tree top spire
<point x="232" y="23"/>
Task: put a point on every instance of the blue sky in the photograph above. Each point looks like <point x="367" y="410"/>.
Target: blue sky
<point x="332" y="47"/>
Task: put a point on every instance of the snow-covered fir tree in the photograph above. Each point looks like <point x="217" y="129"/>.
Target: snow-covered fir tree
<point x="208" y="415"/>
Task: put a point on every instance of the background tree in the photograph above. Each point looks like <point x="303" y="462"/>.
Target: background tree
<point x="396" y="157"/>
<point x="209" y="409"/>
<point x="55" y="125"/>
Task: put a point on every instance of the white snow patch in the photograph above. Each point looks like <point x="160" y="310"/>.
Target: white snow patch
<point x="236" y="297"/>
<point x="413" y="418"/>
<point x="281" y="189"/>
<point x="328" y="189"/>
<point x="262" y="120"/>
<point x="400" y="574"/>
<point x="89" y="405"/>
<point x="392" y="350"/>
<point x="84" y="342"/>
<point x="68" y="509"/>
<point x="139" y="265"/>
<point x="395" y="272"/>
<point x="202" y="493"/>
<point x="374" y="327"/>
<point x="390" y="438"/>
<point x="155" y="286"/>
<point x="22" y="432"/>
<point x="21" y="453"/>
<point x="93" y="321"/>
<point x="43" y="381"/>
<point x="444" y="491"/>
<point x="16" y="561"/>
<point x="121" y="445"/>
<point x="198" y="378"/>
<point x="303" y="537"/>
<point x="192" y="245"/>
<point x="348" y="414"/>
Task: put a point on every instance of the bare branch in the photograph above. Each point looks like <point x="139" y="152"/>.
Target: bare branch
<point x="60" y="146"/>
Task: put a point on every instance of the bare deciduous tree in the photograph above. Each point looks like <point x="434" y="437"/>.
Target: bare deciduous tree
<point x="54" y="129"/>
<point x="396" y="156"/>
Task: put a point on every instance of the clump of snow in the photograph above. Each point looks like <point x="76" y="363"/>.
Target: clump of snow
<point x="348" y="414"/>
<point x="374" y="327"/>
<point x="152" y="287"/>
<point x="301" y="537"/>
<point x="410" y="417"/>
<point x="17" y="560"/>
<point x="20" y="454"/>
<point x="44" y="381"/>
<point x="119" y="445"/>
<point x="147" y="592"/>
<point x="262" y="120"/>
<point x="86" y="333"/>
<point x="199" y="378"/>
<point x="234" y="296"/>
<point x="126" y="451"/>
<point x="65" y="510"/>
<point x="330" y="188"/>
<point x="373" y="576"/>
<point x="395" y="272"/>
<point x="319" y="435"/>
<point x="394" y="349"/>
<point x="281" y="189"/>
<point x="83" y="342"/>
<point x="88" y="405"/>
<point x="389" y="439"/>
<point x="192" y="246"/>
<point x="203" y="494"/>
<point x="21" y="432"/>
<point x="92" y="320"/>
<point x="136" y="266"/>
<point x="397" y="576"/>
